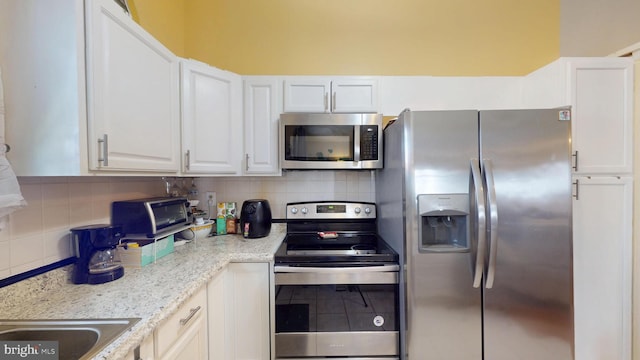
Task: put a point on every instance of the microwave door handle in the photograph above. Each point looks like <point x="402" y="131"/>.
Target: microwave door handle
<point x="356" y="143"/>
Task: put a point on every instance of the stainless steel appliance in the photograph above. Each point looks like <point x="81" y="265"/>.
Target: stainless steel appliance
<point x="336" y="285"/>
<point x="483" y="200"/>
<point x="151" y="217"/>
<point x="330" y="141"/>
<point x="97" y="261"/>
<point x="255" y="218"/>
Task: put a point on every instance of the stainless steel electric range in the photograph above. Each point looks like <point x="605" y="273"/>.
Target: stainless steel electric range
<point x="336" y="285"/>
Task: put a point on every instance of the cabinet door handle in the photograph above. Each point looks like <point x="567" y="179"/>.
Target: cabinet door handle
<point x="192" y="313"/>
<point x="104" y="144"/>
<point x="575" y="162"/>
<point x="326" y="101"/>
<point x="246" y="162"/>
<point x="333" y="102"/>
<point x="187" y="159"/>
<point x="577" y="185"/>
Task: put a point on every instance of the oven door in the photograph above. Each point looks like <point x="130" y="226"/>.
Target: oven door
<point x="336" y="312"/>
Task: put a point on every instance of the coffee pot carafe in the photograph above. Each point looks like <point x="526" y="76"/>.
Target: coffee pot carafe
<point x="97" y="261"/>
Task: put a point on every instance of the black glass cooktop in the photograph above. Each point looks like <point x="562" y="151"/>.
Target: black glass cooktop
<point x="334" y="249"/>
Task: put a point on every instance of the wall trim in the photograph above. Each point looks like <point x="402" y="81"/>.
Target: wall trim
<point x="631" y="50"/>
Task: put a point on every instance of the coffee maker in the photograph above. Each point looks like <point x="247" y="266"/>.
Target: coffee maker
<point x="97" y="261"/>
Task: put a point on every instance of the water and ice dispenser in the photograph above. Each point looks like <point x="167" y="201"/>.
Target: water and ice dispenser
<point x="443" y="225"/>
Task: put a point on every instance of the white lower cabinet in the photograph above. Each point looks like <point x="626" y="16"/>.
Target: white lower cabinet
<point x="184" y="335"/>
<point x="217" y="317"/>
<point x="602" y="265"/>
<point x="247" y="304"/>
<point x="145" y="350"/>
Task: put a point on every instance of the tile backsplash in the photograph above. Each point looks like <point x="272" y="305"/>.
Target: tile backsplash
<point x="292" y="186"/>
<point x="38" y="234"/>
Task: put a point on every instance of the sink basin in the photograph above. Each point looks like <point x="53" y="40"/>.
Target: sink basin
<point x="77" y="339"/>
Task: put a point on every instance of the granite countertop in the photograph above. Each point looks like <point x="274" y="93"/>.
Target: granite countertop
<point x="151" y="293"/>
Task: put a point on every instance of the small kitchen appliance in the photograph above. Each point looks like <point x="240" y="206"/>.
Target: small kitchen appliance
<point x="97" y="261"/>
<point x="255" y="218"/>
<point x="151" y="217"/>
<point x="330" y="141"/>
<point x="336" y="281"/>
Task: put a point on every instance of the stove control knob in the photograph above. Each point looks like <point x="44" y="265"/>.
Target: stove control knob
<point x="357" y="210"/>
<point x="304" y="210"/>
<point x="367" y="210"/>
<point x="294" y="210"/>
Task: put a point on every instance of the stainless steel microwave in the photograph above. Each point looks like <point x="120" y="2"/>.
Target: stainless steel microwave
<point x="330" y="141"/>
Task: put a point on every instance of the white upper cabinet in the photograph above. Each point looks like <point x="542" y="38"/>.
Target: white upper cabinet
<point x="87" y="91"/>
<point x="602" y="97"/>
<point x="132" y="94"/>
<point x="307" y="95"/>
<point x="211" y="120"/>
<point x="600" y="92"/>
<point x="43" y="78"/>
<point x="262" y="108"/>
<point x="324" y="94"/>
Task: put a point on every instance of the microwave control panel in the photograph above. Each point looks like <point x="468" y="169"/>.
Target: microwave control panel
<point x="369" y="142"/>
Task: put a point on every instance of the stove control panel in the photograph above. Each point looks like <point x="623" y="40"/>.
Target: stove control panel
<point x="331" y="210"/>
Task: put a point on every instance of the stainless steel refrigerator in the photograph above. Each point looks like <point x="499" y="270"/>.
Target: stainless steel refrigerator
<point x="478" y="204"/>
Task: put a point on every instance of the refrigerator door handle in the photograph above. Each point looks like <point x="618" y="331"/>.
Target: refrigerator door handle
<point x="492" y="210"/>
<point x="477" y="191"/>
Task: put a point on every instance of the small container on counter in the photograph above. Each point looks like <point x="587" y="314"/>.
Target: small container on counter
<point x="221" y="226"/>
<point x="226" y="218"/>
<point x="231" y="225"/>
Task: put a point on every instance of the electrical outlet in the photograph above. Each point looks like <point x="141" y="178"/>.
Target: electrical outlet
<point x="211" y="198"/>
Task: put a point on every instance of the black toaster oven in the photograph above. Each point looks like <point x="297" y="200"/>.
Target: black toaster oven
<point x="151" y="217"/>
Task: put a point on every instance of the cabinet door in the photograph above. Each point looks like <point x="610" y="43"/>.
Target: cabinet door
<point x="132" y="94"/>
<point x="247" y="288"/>
<point x="192" y="344"/>
<point x="602" y="251"/>
<point x="145" y="351"/>
<point x="211" y="119"/>
<point x="261" y="113"/>
<point x="601" y="93"/>
<point x="217" y="318"/>
<point x="184" y="334"/>
<point x="43" y="78"/>
<point x="307" y="95"/>
<point x="354" y="96"/>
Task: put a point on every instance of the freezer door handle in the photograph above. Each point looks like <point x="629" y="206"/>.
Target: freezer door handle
<point x="479" y="232"/>
<point x="492" y="210"/>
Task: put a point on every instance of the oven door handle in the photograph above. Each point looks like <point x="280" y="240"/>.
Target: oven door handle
<point x="297" y="275"/>
<point x="334" y="270"/>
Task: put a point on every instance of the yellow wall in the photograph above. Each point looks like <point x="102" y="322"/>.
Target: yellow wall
<point x="360" y="37"/>
<point x="164" y="19"/>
